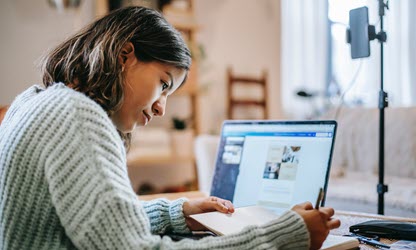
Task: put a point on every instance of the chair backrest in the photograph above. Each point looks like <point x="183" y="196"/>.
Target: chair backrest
<point x="247" y="99"/>
<point x="205" y="154"/>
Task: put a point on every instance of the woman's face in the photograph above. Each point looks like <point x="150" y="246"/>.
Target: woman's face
<point x="146" y="89"/>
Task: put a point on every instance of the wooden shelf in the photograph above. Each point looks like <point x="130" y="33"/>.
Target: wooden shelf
<point x="159" y="160"/>
<point x="182" y="17"/>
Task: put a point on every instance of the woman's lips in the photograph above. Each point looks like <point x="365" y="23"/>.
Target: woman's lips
<point x="147" y="118"/>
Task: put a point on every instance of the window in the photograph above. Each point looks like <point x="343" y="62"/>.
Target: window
<point x="359" y="79"/>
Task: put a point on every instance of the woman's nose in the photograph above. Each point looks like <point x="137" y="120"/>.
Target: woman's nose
<point x="159" y="107"/>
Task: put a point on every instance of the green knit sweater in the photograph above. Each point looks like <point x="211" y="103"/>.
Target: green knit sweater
<point x="64" y="185"/>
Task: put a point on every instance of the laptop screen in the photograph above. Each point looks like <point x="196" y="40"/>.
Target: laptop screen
<point x="274" y="164"/>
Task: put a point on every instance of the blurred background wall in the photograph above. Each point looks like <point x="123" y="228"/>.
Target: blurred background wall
<point x="242" y="34"/>
<point x="29" y="29"/>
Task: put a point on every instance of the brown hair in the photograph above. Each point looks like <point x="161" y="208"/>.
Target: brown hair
<point x="88" y="61"/>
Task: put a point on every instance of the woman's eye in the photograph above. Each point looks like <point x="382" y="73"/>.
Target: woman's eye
<point x="164" y="86"/>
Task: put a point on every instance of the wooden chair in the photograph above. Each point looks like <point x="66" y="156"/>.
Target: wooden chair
<point x="236" y="82"/>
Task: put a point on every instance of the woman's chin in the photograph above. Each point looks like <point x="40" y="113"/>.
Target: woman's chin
<point x="133" y="127"/>
<point x="128" y="129"/>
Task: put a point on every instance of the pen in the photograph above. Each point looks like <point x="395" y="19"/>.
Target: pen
<point x="320" y="197"/>
<point x="369" y="241"/>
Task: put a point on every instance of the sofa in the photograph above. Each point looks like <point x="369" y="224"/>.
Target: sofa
<point x="354" y="170"/>
<point x="354" y="174"/>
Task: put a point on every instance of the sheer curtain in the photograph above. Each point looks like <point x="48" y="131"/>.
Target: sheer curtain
<point x="304" y="53"/>
<point x="400" y="56"/>
<point x="315" y="54"/>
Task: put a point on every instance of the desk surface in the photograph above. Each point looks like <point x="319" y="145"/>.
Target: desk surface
<point x="351" y="218"/>
<point x="347" y="218"/>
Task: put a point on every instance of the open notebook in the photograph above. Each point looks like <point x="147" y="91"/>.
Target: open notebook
<point x="225" y="224"/>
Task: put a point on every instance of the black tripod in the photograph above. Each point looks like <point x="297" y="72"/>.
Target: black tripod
<point x="360" y="48"/>
<point x="382" y="104"/>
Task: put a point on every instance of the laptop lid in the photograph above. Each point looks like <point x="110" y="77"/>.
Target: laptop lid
<point x="275" y="164"/>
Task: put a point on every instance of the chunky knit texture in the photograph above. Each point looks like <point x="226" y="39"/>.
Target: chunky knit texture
<point x="64" y="185"/>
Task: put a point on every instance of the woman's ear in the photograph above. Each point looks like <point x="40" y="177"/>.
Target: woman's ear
<point x="127" y="55"/>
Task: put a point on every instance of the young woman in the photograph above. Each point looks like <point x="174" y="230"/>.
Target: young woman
<point x="63" y="176"/>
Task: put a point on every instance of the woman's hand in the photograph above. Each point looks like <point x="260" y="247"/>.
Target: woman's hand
<point x="318" y="222"/>
<point x="204" y="205"/>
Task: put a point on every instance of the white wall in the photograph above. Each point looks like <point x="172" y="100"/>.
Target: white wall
<point x="244" y="34"/>
<point x="240" y="33"/>
<point x="27" y="30"/>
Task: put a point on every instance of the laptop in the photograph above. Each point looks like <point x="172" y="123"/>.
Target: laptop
<point x="273" y="164"/>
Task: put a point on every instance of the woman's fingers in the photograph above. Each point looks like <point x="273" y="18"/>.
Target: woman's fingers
<point x="306" y="206"/>
<point x="230" y="206"/>
<point x="222" y="205"/>
<point x="333" y="223"/>
<point x="328" y="211"/>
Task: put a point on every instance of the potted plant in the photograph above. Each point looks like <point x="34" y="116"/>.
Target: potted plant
<point x="182" y="138"/>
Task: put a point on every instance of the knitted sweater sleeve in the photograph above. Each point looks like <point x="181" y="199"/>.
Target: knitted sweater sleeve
<point x="90" y="190"/>
<point x="165" y="215"/>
